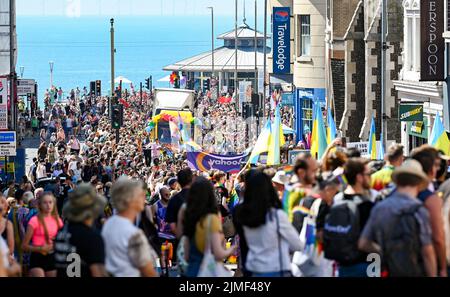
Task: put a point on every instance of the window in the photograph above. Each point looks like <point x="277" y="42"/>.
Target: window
<point x="412" y="40"/>
<point x="307" y="110"/>
<point x="305" y="35"/>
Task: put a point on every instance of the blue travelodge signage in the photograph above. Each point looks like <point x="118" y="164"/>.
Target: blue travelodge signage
<point x="281" y="40"/>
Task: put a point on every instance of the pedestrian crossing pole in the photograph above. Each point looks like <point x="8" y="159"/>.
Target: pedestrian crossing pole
<point x="112" y="66"/>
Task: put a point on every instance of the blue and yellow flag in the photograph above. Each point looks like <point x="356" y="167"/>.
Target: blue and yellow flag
<point x="438" y="137"/>
<point x="261" y="145"/>
<point x="318" y="135"/>
<point x="276" y="139"/>
<point x="372" y="141"/>
<point x="331" y="129"/>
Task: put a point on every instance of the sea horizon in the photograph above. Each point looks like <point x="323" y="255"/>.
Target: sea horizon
<point x="144" y="45"/>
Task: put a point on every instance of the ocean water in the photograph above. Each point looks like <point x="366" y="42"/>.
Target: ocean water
<point x="80" y="47"/>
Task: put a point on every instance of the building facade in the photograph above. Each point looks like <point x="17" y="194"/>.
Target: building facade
<point x="363" y="71"/>
<point x="410" y="89"/>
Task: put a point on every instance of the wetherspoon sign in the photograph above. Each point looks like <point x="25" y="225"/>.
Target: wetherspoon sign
<point x="281" y="40"/>
<point x="432" y="42"/>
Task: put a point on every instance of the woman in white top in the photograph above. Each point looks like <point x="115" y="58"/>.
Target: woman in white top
<point x="41" y="171"/>
<point x="265" y="229"/>
<point x="128" y="253"/>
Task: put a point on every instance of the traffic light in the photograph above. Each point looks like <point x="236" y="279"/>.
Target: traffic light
<point x="92" y="88"/>
<point x="206" y="85"/>
<point x="147" y="83"/>
<point x="98" y="88"/>
<point x="117" y="116"/>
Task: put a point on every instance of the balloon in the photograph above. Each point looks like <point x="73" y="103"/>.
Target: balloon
<point x="148" y="129"/>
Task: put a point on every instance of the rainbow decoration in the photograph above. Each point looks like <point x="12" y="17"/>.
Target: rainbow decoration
<point x="291" y="199"/>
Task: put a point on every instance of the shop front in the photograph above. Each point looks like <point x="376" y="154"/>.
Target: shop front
<point x="303" y="103"/>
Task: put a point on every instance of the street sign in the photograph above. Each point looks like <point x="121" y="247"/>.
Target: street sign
<point x="363" y="147"/>
<point x="410" y="112"/>
<point x="8" y="143"/>
<point x="25" y="86"/>
<point x="292" y="155"/>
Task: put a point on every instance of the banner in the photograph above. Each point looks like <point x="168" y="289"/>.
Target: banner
<point x="281" y="40"/>
<point x="292" y="155"/>
<point x="410" y="112"/>
<point x="432" y="42"/>
<point x="204" y="161"/>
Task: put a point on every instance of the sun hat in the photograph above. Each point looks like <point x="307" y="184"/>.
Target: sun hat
<point x="84" y="203"/>
<point x="280" y="178"/>
<point x="411" y="167"/>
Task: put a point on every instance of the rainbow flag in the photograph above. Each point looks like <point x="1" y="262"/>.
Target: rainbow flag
<point x="372" y="141"/>
<point x="234" y="199"/>
<point x="438" y="137"/>
<point x="276" y="139"/>
<point x="331" y="128"/>
<point x="292" y="196"/>
<point x="318" y="135"/>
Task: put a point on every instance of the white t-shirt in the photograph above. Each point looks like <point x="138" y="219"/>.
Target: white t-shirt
<point x="69" y="123"/>
<point x="77" y="173"/>
<point x="122" y="260"/>
<point x="4" y="252"/>
<point x="41" y="172"/>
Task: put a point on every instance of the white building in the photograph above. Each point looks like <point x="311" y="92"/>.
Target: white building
<point x="410" y="89"/>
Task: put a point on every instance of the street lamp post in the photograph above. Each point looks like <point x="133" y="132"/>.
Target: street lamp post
<point x="22" y="69"/>
<point x="51" y="73"/>
<point x="212" y="40"/>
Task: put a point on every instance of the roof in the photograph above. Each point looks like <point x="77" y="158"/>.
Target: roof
<point x="244" y="31"/>
<point x="223" y="60"/>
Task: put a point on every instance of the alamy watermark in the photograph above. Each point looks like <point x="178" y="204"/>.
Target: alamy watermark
<point x="74" y="268"/>
<point x="374" y="268"/>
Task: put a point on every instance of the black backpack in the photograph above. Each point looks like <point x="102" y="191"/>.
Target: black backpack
<point x="401" y="248"/>
<point x="342" y="230"/>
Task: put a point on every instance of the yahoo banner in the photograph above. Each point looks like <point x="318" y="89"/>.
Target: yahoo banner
<point x="203" y="161"/>
<point x="281" y="40"/>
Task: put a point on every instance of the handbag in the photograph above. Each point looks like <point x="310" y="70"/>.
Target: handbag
<point x="310" y="259"/>
<point x="209" y="266"/>
<point x="228" y="227"/>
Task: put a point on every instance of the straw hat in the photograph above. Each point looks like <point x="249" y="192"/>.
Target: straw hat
<point x="411" y="167"/>
<point x="83" y="203"/>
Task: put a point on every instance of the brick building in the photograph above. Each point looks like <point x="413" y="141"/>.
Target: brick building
<point x="362" y="70"/>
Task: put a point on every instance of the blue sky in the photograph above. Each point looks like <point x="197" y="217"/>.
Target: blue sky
<point x="75" y="8"/>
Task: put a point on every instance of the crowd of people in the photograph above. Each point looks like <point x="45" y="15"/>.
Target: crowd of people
<point x="133" y="208"/>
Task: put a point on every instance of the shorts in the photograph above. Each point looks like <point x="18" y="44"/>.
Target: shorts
<point x="47" y="263"/>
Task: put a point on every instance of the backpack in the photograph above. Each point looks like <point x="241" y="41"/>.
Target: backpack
<point x="401" y="248"/>
<point x="342" y="231"/>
